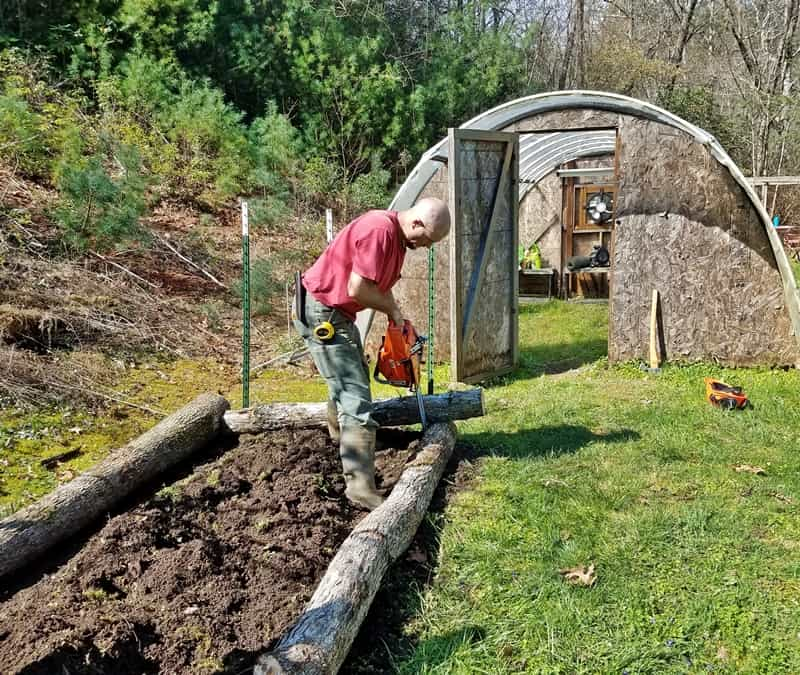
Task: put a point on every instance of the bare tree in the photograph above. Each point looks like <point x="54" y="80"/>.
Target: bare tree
<point x="765" y="33"/>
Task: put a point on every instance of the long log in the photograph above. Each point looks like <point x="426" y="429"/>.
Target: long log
<point x="31" y="531"/>
<point x="395" y="412"/>
<point x="319" y="641"/>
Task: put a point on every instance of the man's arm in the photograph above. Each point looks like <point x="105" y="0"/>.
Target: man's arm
<point x="365" y="292"/>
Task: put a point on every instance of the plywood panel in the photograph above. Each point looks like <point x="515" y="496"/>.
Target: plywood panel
<point x="566" y="119"/>
<point x="686" y="229"/>
<point x="484" y="239"/>
<point x="540" y="220"/>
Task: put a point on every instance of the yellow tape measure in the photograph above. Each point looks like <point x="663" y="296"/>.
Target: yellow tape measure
<point x="324" y="331"/>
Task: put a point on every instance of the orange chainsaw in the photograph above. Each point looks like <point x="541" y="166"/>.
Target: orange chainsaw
<point x="399" y="360"/>
<point x="724" y="395"/>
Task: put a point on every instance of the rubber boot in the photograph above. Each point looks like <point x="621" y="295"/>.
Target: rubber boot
<point x="357" y="450"/>
<point x="333" y="421"/>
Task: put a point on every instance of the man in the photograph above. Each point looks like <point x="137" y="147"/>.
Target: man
<point x="357" y="271"/>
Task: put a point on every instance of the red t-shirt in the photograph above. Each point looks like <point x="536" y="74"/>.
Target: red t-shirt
<point x="372" y="246"/>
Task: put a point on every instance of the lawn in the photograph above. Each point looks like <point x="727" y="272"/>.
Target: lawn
<point x="578" y="463"/>
<point x="697" y="564"/>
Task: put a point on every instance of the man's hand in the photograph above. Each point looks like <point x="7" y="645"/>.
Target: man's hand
<point x="366" y="292"/>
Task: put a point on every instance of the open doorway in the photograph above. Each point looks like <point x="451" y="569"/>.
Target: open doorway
<point x="568" y="192"/>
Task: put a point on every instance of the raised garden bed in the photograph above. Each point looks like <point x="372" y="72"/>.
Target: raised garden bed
<point x="204" y="575"/>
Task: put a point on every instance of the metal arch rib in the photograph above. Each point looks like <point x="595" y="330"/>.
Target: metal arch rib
<point x="540" y="156"/>
<point x="506" y="114"/>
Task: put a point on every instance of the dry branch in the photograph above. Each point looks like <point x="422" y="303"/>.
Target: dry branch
<point x="69" y="508"/>
<point x="191" y="263"/>
<point x="319" y="641"/>
<point x="454" y="405"/>
<point x="123" y="269"/>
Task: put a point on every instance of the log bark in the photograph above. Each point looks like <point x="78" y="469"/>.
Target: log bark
<point x="31" y="531"/>
<point x="454" y="405"/>
<point x="319" y="641"/>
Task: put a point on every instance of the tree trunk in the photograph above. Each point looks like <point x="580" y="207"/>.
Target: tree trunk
<point x="580" y="25"/>
<point x="70" y="507"/>
<point x="454" y="405"/>
<point x="567" y="59"/>
<point x="679" y="51"/>
<point x="319" y="641"/>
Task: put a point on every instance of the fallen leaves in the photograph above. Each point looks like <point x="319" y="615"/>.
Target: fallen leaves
<point x="554" y="482"/>
<point x="580" y="575"/>
<point x="749" y="468"/>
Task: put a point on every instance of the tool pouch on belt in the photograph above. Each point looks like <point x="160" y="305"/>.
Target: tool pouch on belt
<point x="299" y="299"/>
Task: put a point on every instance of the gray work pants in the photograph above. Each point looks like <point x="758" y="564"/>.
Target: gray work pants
<point x="341" y="362"/>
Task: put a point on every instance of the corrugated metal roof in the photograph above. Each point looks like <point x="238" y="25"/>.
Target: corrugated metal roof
<point x="540" y="154"/>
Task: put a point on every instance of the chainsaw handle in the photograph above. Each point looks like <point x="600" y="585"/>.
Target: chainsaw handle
<point x="407" y="325"/>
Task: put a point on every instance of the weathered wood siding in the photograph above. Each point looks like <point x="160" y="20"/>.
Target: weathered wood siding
<point x="688" y="230"/>
<point x="489" y="344"/>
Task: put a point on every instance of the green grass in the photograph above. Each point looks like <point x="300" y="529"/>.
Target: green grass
<point x="795" y="263"/>
<point x="698" y="565"/>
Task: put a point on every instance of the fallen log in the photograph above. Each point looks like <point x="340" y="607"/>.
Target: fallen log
<point x="391" y="412"/>
<point x="31" y="531"/>
<point x="319" y="641"/>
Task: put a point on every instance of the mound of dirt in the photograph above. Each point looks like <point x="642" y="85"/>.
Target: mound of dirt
<point x="202" y="576"/>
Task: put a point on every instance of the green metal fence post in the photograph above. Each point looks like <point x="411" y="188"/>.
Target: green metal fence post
<point x="245" y="307"/>
<point x="431" y="316"/>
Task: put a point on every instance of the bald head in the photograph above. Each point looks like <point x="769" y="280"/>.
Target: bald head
<point x="425" y="223"/>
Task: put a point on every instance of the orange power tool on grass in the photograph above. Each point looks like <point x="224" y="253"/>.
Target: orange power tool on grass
<point x="724" y="395"/>
<point x="399" y="361"/>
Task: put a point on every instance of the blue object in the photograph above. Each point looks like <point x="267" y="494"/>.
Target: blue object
<point x="776" y="220"/>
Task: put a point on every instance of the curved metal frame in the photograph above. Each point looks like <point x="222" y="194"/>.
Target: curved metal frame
<point x="497" y="119"/>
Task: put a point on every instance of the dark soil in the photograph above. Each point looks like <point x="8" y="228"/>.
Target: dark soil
<point x="202" y="576"/>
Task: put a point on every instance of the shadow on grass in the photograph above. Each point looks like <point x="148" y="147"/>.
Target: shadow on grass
<point x="550" y="441"/>
<point x="552" y="359"/>
<point x="383" y="641"/>
<point x="435" y="651"/>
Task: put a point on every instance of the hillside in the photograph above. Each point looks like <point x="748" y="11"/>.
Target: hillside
<point x="152" y="300"/>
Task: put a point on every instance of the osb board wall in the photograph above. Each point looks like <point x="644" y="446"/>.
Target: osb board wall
<point x="488" y="345"/>
<point x="566" y="119"/>
<point x="687" y="229"/>
<point x="540" y="219"/>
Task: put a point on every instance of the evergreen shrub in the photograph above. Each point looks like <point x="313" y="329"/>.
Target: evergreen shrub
<point x="369" y="190"/>
<point x="101" y="199"/>
<point x="211" y="145"/>
<point x="264" y="286"/>
<point x="274" y="149"/>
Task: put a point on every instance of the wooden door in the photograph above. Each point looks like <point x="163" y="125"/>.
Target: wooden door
<point x="484" y="203"/>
